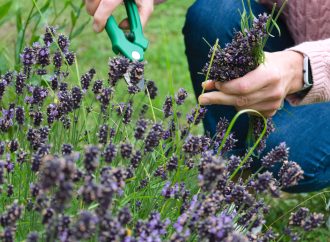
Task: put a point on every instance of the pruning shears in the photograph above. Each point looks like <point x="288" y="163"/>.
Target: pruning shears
<point x="134" y="44"/>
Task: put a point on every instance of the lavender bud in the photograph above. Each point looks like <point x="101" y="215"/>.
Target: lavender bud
<point x="103" y="134"/>
<point x="57" y="60"/>
<point x="172" y="163"/>
<point x="278" y="154"/>
<point x="20" y="83"/>
<point x="290" y="174"/>
<point x="63" y="43"/>
<point x="196" y="115"/>
<point x="118" y="66"/>
<point x="50" y="33"/>
<point x="141" y="126"/>
<point x="66" y="149"/>
<point x="136" y="72"/>
<point x="87" y="78"/>
<point x="109" y="153"/>
<point x="181" y="96"/>
<point x="97" y="87"/>
<point x="20" y="115"/>
<point x="136" y="159"/>
<point x="91" y="160"/>
<point x="168" y="107"/>
<point x="126" y="150"/>
<point x="153" y="138"/>
<point x="43" y="56"/>
<point x="151" y="89"/>
<point x="70" y="58"/>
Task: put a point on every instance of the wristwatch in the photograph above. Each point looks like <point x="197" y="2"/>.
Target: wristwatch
<point x="308" y="78"/>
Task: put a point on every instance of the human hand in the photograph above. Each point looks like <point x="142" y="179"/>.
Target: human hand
<point x="102" y="9"/>
<point x="263" y="89"/>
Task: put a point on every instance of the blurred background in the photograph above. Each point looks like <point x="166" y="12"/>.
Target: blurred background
<point x="22" y="22"/>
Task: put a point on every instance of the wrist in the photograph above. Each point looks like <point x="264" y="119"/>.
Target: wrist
<point x="294" y="67"/>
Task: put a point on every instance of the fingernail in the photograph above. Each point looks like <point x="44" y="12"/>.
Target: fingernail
<point x="203" y="84"/>
<point x="96" y="28"/>
<point x="217" y="85"/>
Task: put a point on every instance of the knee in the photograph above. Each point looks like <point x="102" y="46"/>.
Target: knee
<point x="211" y="20"/>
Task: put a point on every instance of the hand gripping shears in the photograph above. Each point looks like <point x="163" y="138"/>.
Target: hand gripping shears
<point x="134" y="44"/>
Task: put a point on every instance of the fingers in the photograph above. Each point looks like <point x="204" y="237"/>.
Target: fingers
<point x="145" y="11"/>
<point x="104" y="10"/>
<point x="219" y="97"/>
<point x="91" y="6"/>
<point x="208" y="85"/>
<point x="216" y="98"/>
<point x="124" y="24"/>
<point x="268" y="109"/>
<point x="251" y="82"/>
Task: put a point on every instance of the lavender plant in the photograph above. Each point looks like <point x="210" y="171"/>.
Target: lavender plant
<point x="78" y="163"/>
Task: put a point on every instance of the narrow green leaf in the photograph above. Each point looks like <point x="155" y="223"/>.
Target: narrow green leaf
<point x="19" y="22"/>
<point x="4" y="9"/>
<point x="277" y="27"/>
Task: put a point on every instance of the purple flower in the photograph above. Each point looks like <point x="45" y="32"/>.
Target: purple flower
<point x="32" y="237"/>
<point x="85" y="226"/>
<point x="128" y="111"/>
<point x="77" y="96"/>
<point x="278" y="154"/>
<point x="136" y="159"/>
<point x="20" y="83"/>
<point x="124" y="216"/>
<point x="298" y="218"/>
<point x="126" y="150"/>
<point x="49" y="35"/>
<point x="153" y="138"/>
<point x="258" y="126"/>
<point x="141" y="126"/>
<point x="196" y="115"/>
<point x="266" y="182"/>
<point x="97" y="87"/>
<point x="11" y="215"/>
<point x="109" y="153"/>
<point x="118" y="66"/>
<point x="66" y="149"/>
<point x="195" y="145"/>
<point x="240" y="56"/>
<point x="57" y="59"/>
<point x="87" y="78"/>
<point x="13" y="145"/>
<point x="37" y="118"/>
<point x="136" y="72"/>
<point x="20" y="115"/>
<point x="290" y="174"/>
<point x="103" y="134"/>
<point x="181" y="96"/>
<point x="70" y="58"/>
<point x="168" y="107"/>
<point x="172" y="164"/>
<point x="63" y="43"/>
<point x="2" y="88"/>
<point x="91" y="160"/>
<point x="151" y="89"/>
<point x="54" y="82"/>
<point x="43" y="56"/>
<point x="104" y="97"/>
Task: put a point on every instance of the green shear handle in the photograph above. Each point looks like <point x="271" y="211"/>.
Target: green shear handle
<point x="132" y="47"/>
